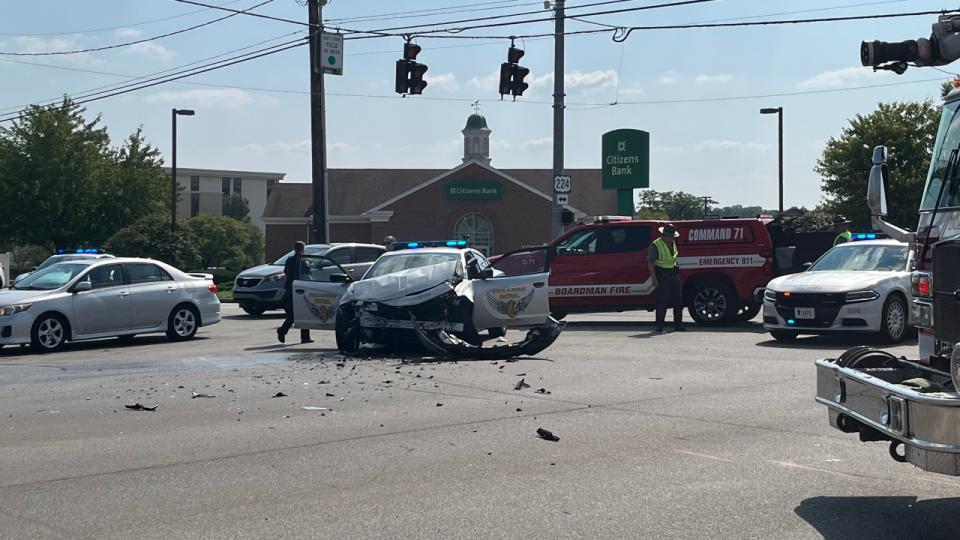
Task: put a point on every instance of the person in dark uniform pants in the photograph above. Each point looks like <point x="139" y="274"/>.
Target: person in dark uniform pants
<point x="292" y="269"/>
<point x="665" y="273"/>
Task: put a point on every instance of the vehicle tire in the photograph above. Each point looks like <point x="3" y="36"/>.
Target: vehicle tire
<point x="785" y="336"/>
<point x="253" y="311"/>
<point x="497" y="333"/>
<point x="748" y="312"/>
<point x="893" y="324"/>
<point x="183" y="323"/>
<point x="712" y="303"/>
<point x="49" y="333"/>
<point x="559" y="315"/>
<point x="347" y="330"/>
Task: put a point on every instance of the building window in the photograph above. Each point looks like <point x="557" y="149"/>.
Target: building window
<point x="478" y="230"/>
<point x="194" y="183"/>
<point x="237" y="185"/>
<point x="226" y="186"/>
<point x="194" y="204"/>
<point x="270" y="183"/>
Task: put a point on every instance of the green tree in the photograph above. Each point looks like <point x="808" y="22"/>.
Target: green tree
<point x="151" y="237"/>
<point x="62" y="184"/>
<point x="908" y="131"/>
<point x="738" y="210"/>
<point x="236" y="207"/>
<point x="800" y="220"/>
<point x="674" y="204"/>
<point x="226" y="242"/>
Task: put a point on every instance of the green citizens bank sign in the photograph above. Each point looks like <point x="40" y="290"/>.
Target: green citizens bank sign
<point x="626" y="159"/>
<point x="473" y="190"/>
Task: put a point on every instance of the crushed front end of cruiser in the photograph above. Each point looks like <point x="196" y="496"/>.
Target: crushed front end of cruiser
<point x="443" y="343"/>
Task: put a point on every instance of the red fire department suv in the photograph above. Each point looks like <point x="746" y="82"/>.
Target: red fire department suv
<point x="602" y="266"/>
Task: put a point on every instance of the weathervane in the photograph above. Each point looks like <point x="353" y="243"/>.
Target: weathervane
<point x="476" y="106"/>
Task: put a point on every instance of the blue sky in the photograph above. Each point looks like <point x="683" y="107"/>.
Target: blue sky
<point x="724" y="149"/>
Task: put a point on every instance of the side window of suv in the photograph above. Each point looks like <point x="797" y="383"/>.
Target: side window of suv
<point x="367" y="254"/>
<point x="340" y="256"/>
<point x="624" y="239"/>
<point x="583" y="242"/>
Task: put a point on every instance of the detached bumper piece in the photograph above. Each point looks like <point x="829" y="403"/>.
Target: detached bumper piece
<point x="441" y="343"/>
<point x="883" y="398"/>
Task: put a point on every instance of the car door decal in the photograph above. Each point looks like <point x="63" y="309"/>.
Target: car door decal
<point x="510" y="301"/>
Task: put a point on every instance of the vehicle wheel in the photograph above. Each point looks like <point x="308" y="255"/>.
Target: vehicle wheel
<point x="183" y="323"/>
<point x="712" y="304"/>
<point x="254" y="311"/>
<point x="49" y="333"/>
<point x="784" y="335"/>
<point x="347" y="330"/>
<point x="559" y="315"/>
<point x="893" y="325"/>
<point x="496" y="333"/>
<point x="748" y="312"/>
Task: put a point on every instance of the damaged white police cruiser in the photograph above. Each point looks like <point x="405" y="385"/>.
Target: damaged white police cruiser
<point x="443" y="295"/>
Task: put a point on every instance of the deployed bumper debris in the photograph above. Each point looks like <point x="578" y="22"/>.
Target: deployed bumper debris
<point x="444" y="344"/>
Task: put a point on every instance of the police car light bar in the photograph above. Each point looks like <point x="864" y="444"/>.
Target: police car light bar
<point x="869" y="236"/>
<point x="63" y="251"/>
<point x="608" y="219"/>
<point x="396" y="246"/>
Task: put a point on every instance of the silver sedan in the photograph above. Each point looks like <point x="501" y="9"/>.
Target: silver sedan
<point x="98" y="298"/>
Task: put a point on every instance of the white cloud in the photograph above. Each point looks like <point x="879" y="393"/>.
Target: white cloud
<point x="573" y="79"/>
<point x="838" y="78"/>
<point x="536" y="144"/>
<point x="731" y="146"/>
<point x="34" y="45"/>
<point x="229" y="98"/>
<point x="721" y="78"/>
<point x="442" y="81"/>
<point x="151" y="50"/>
<point x="127" y="33"/>
<point x="284" y="147"/>
<point x="668" y="77"/>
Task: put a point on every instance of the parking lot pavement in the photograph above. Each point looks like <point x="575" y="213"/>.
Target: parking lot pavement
<point x="710" y="433"/>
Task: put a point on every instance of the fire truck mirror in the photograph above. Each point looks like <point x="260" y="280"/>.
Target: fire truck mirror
<point x="876" y="196"/>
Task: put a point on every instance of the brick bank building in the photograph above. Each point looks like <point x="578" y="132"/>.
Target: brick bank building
<point x="500" y="209"/>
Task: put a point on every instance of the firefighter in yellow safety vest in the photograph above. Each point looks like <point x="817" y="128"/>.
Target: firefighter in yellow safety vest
<point x="662" y="262"/>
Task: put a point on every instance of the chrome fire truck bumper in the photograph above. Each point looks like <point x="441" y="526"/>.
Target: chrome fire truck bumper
<point x="866" y="401"/>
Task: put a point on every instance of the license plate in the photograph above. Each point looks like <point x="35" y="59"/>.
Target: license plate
<point x="805" y="313"/>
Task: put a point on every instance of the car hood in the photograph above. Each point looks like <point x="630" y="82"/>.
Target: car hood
<point x="12" y="296"/>
<point x="399" y="286"/>
<point x="261" y="271"/>
<point x="830" y="281"/>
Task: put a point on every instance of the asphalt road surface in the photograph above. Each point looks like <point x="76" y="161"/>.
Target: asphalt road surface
<point x="705" y="434"/>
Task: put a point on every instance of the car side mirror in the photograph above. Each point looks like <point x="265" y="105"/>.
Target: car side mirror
<point x="82" y="286"/>
<point x="487" y="273"/>
<point x="34" y="269"/>
<point x="806" y="266"/>
<point x="340" y="278"/>
<point x="876" y="192"/>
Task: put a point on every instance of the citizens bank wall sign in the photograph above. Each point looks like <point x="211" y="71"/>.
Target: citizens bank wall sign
<point x="626" y="159"/>
<point x="481" y="189"/>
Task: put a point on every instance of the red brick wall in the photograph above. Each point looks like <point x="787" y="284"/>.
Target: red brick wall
<point x="280" y="239"/>
<point x="351" y="232"/>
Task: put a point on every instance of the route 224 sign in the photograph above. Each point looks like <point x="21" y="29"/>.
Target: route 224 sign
<point x="562" y="184"/>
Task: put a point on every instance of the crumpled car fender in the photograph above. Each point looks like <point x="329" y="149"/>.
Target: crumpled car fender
<point x="444" y="344"/>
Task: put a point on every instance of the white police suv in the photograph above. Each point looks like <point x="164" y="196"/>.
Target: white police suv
<point x="860" y="286"/>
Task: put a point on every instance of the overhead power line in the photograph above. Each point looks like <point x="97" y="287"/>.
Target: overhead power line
<point x="177" y="76"/>
<point x="109" y="28"/>
<point x="430" y="12"/>
<point x="129" y="43"/>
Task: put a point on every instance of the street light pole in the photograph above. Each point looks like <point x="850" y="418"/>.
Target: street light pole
<point x="556" y="224"/>
<point x="173" y="175"/>
<point x="779" y="113"/>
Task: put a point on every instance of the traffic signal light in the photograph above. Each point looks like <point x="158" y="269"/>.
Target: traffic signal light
<point x="512" y="74"/>
<point x="409" y="75"/>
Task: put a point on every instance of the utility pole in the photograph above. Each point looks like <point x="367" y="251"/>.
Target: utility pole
<point x="318" y="135"/>
<point x="556" y="226"/>
<point x="706" y="201"/>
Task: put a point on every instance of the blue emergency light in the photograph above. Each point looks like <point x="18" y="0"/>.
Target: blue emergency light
<point x="865" y="236"/>
<point x="62" y="251"/>
<point x="429" y="244"/>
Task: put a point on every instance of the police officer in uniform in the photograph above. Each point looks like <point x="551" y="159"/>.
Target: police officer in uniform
<point x="292" y="269"/>
<point x="841" y="226"/>
<point x="665" y="273"/>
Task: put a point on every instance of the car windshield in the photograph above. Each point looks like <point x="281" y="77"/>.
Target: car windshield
<point x="864" y="258"/>
<point x="61" y="258"/>
<point x="309" y="250"/>
<point x="52" y="277"/>
<point x="948" y="138"/>
<point x="405" y="261"/>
